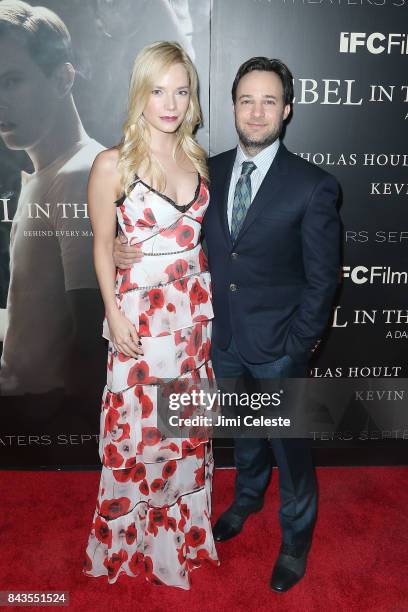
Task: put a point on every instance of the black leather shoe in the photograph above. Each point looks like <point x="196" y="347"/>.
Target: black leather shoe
<point x="290" y="567"/>
<point x="232" y="520"/>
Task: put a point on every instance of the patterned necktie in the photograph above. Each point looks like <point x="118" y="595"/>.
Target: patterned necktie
<point x="242" y="198"/>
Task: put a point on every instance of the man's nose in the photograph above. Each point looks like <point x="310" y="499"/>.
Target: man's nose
<point x="258" y="109"/>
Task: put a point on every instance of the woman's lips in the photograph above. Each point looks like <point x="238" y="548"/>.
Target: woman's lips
<point x="169" y="118"/>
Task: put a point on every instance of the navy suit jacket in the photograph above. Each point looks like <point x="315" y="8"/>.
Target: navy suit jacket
<point x="273" y="288"/>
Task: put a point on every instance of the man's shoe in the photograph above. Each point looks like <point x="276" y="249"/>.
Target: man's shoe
<point x="290" y="567"/>
<point x="232" y="520"/>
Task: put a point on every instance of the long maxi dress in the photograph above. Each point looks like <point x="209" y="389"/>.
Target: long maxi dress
<point x="152" y="515"/>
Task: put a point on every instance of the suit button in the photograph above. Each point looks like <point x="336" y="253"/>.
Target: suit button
<point x="234" y="255"/>
<point x="233" y="287"/>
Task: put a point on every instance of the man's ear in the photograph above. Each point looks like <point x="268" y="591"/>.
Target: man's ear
<point x="64" y="77"/>
<point x="286" y="111"/>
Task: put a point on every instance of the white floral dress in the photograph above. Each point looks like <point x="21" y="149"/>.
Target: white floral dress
<point x="152" y="516"/>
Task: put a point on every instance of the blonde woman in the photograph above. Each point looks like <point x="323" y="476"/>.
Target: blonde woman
<point x="153" y="507"/>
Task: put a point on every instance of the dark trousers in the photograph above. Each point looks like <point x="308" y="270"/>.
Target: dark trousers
<point x="297" y="482"/>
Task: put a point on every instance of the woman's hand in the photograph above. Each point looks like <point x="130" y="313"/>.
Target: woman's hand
<point x="123" y="335"/>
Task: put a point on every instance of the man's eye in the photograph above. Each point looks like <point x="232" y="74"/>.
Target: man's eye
<point x="9" y="82"/>
<point x="270" y="101"/>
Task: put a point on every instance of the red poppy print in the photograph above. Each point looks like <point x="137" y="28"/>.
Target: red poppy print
<point x="144" y="487"/>
<point x="144" y="325"/>
<point x="139" y="472"/>
<point x="136" y="563"/>
<point x="172" y="446"/>
<point x="195" y="536"/>
<point x="157" y="484"/>
<point x="117" y="400"/>
<point x="203" y="261"/>
<point x="204" y="352"/>
<point x="111" y="421"/>
<point x="169" y="469"/>
<point x="114" y="563"/>
<point x="122" y="475"/>
<point x="202" y="197"/>
<point x="131" y="533"/>
<point x="150" y="436"/>
<point x="147" y="407"/>
<point x="184" y="235"/>
<point x="139" y="374"/>
<point x="156" y="298"/>
<point x="125" y="284"/>
<point x="200" y="476"/>
<point x="198" y="295"/>
<point x="195" y="341"/>
<point x="102" y="531"/>
<point x="176" y="270"/>
<point x="179" y="336"/>
<point x="112" y="458"/>
<point x="125" y="429"/>
<point x="112" y="508"/>
<point x="188" y="448"/>
<point x="181" y="285"/>
<point x="128" y="226"/>
<point x="149" y="216"/>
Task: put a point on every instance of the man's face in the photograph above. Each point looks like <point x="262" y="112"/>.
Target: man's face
<point x="28" y="99"/>
<point x="259" y="108"/>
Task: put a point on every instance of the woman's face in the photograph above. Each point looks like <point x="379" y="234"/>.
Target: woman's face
<point x="168" y="101"/>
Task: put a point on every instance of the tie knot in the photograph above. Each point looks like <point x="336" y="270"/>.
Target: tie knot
<point x="247" y="168"/>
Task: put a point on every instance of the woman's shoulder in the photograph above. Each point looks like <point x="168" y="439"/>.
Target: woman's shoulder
<point x="105" y="171"/>
<point x="107" y="161"/>
<point x="105" y="168"/>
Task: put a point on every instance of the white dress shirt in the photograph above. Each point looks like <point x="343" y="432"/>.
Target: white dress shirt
<point x="263" y="161"/>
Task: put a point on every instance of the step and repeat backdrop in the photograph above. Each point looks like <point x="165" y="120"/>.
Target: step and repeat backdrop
<point x="63" y="99"/>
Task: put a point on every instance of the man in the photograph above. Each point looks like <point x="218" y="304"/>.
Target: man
<point x="52" y="341"/>
<point x="272" y="233"/>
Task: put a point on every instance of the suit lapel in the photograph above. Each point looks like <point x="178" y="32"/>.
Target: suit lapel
<point x="270" y="186"/>
<point x="222" y="193"/>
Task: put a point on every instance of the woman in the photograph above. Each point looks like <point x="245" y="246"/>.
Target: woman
<point x="153" y="507"/>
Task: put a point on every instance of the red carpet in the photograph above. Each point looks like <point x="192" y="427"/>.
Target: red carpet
<point x="359" y="558"/>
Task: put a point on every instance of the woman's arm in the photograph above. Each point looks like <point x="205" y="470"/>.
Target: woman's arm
<point x="103" y="189"/>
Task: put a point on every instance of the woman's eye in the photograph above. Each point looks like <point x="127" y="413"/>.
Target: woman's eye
<point x="156" y="92"/>
<point x="183" y="92"/>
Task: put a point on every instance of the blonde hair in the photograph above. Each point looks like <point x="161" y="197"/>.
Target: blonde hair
<point x="134" y="149"/>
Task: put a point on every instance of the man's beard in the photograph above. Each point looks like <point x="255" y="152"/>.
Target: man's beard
<point x="258" y="144"/>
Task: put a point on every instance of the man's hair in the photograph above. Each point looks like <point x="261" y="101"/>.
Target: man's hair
<point x="45" y="35"/>
<point x="267" y="65"/>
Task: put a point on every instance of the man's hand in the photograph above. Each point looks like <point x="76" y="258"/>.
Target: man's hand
<point x="125" y="255"/>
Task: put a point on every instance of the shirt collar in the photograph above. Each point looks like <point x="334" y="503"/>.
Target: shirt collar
<point x="262" y="160"/>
